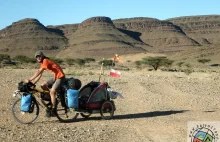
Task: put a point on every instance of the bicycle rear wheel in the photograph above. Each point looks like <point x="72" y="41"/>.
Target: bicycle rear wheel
<point x="25" y="117"/>
<point x="65" y="114"/>
<point x="107" y="110"/>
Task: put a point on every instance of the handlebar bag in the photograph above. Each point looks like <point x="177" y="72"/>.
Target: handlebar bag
<point x="26" y="100"/>
<point x="72" y="98"/>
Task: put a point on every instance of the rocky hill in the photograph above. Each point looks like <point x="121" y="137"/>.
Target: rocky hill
<point x="30" y="35"/>
<point x="155" y="32"/>
<point x="203" y="29"/>
<point x="101" y="36"/>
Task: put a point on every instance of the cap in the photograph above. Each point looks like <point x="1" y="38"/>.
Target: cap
<point x="39" y="53"/>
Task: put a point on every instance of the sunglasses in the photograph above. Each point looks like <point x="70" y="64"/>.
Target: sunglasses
<point x="38" y="56"/>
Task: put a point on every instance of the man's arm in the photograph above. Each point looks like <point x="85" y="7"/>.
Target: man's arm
<point x="36" y="79"/>
<point x="37" y="74"/>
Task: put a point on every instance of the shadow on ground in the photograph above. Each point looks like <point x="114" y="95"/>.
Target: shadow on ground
<point x="149" y="114"/>
<point x="139" y="115"/>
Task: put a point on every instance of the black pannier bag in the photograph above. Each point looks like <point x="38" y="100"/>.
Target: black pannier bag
<point x="73" y="83"/>
<point x="45" y="96"/>
<point x="25" y="87"/>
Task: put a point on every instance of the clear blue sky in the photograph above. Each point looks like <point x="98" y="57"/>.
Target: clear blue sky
<point x="58" y="12"/>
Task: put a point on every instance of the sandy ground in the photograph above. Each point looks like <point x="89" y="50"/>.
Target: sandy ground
<point x="156" y="108"/>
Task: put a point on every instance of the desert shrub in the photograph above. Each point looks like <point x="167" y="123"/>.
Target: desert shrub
<point x="58" y="61"/>
<point x="107" y="63"/>
<point x="24" y="59"/>
<point x="203" y="55"/>
<point x="80" y="62"/>
<point x="157" y="62"/>
<point x="138" y="64"/>
<point x="4" y="57"/>
<point x="180" y="64"/>
<point x="215" y="65"/>
<point x="91" y="73"/>
<point x="188" y="69"/>
<point x="188" y="65"/>
<point x="75" y="73"/>
<point x="88" y="60"/>
<point x="5" y="60"/>
<point x="203" y="61"/>
<point x="69" y="61"/>
<point x="8" y="62"/>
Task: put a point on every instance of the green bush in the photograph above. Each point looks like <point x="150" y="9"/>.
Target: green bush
<point x="88" y="60"/>
<point x="4" y="57"/>
<point x="138" y="64"/>
<point x="70" y="61"/>
<point x="156" y="62"/>
<point x="188" y="69"/>
<point x="203" y="61"/>
<point x="56" y="60"/>
<point x="180" y="64"/>
<point x="80" y="62"/>
<point x="107" y="63"/>
<point x="24" y="59"/>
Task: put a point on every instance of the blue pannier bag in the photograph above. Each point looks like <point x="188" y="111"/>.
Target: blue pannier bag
<point x="26" y="100"/>
<point x="72" y="98"/>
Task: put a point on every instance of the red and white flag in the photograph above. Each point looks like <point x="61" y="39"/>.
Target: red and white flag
<point x="117" y="59"/>
<point x="115" y="73"/>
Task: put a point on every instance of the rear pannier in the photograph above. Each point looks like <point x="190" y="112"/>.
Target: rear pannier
<point x="72" y="87"/>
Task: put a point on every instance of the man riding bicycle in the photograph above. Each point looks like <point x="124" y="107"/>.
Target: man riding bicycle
<point x="56" y="82"/>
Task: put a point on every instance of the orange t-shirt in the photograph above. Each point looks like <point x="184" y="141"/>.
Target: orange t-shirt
<point x="53" y="67"/>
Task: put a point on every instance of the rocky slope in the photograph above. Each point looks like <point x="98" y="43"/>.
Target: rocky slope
<point x="99" y="35"/>
<point x="203" y="29"/>
<point x="155" y="32"/>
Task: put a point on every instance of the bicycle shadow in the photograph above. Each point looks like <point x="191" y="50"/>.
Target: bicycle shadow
<point x="121" y="117"/>
<point x="139" y="115"/>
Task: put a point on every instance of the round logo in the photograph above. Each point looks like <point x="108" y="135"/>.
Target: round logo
<point x="203" y="135"/>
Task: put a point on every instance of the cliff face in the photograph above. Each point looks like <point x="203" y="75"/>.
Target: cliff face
<point x="30" y="34"/>
<point x="203" y="29"/>
<point x="155" y="32"/>
<point x="101" y="35"/>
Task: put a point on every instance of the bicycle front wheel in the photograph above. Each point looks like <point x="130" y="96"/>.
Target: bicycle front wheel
<point x="25" y="117"/>
<point x="65" y="114"/>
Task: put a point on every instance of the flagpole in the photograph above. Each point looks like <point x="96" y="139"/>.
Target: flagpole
<point x="113" y="61"/>
<point x="101" y="70"/>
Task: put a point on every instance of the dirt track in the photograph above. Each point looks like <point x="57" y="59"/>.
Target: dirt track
<point x="156" y="108"/>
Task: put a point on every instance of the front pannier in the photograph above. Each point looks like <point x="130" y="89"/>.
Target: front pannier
<point x="26" y="100"/>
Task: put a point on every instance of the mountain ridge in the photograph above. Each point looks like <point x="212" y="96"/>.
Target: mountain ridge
<point x="102" y="36"/>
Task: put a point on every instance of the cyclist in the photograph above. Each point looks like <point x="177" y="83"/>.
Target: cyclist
<point x="56" y="82"/>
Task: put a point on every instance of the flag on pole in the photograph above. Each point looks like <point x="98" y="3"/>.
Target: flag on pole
<point x="118" y="59"/>
<point x="115" y="73"/>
